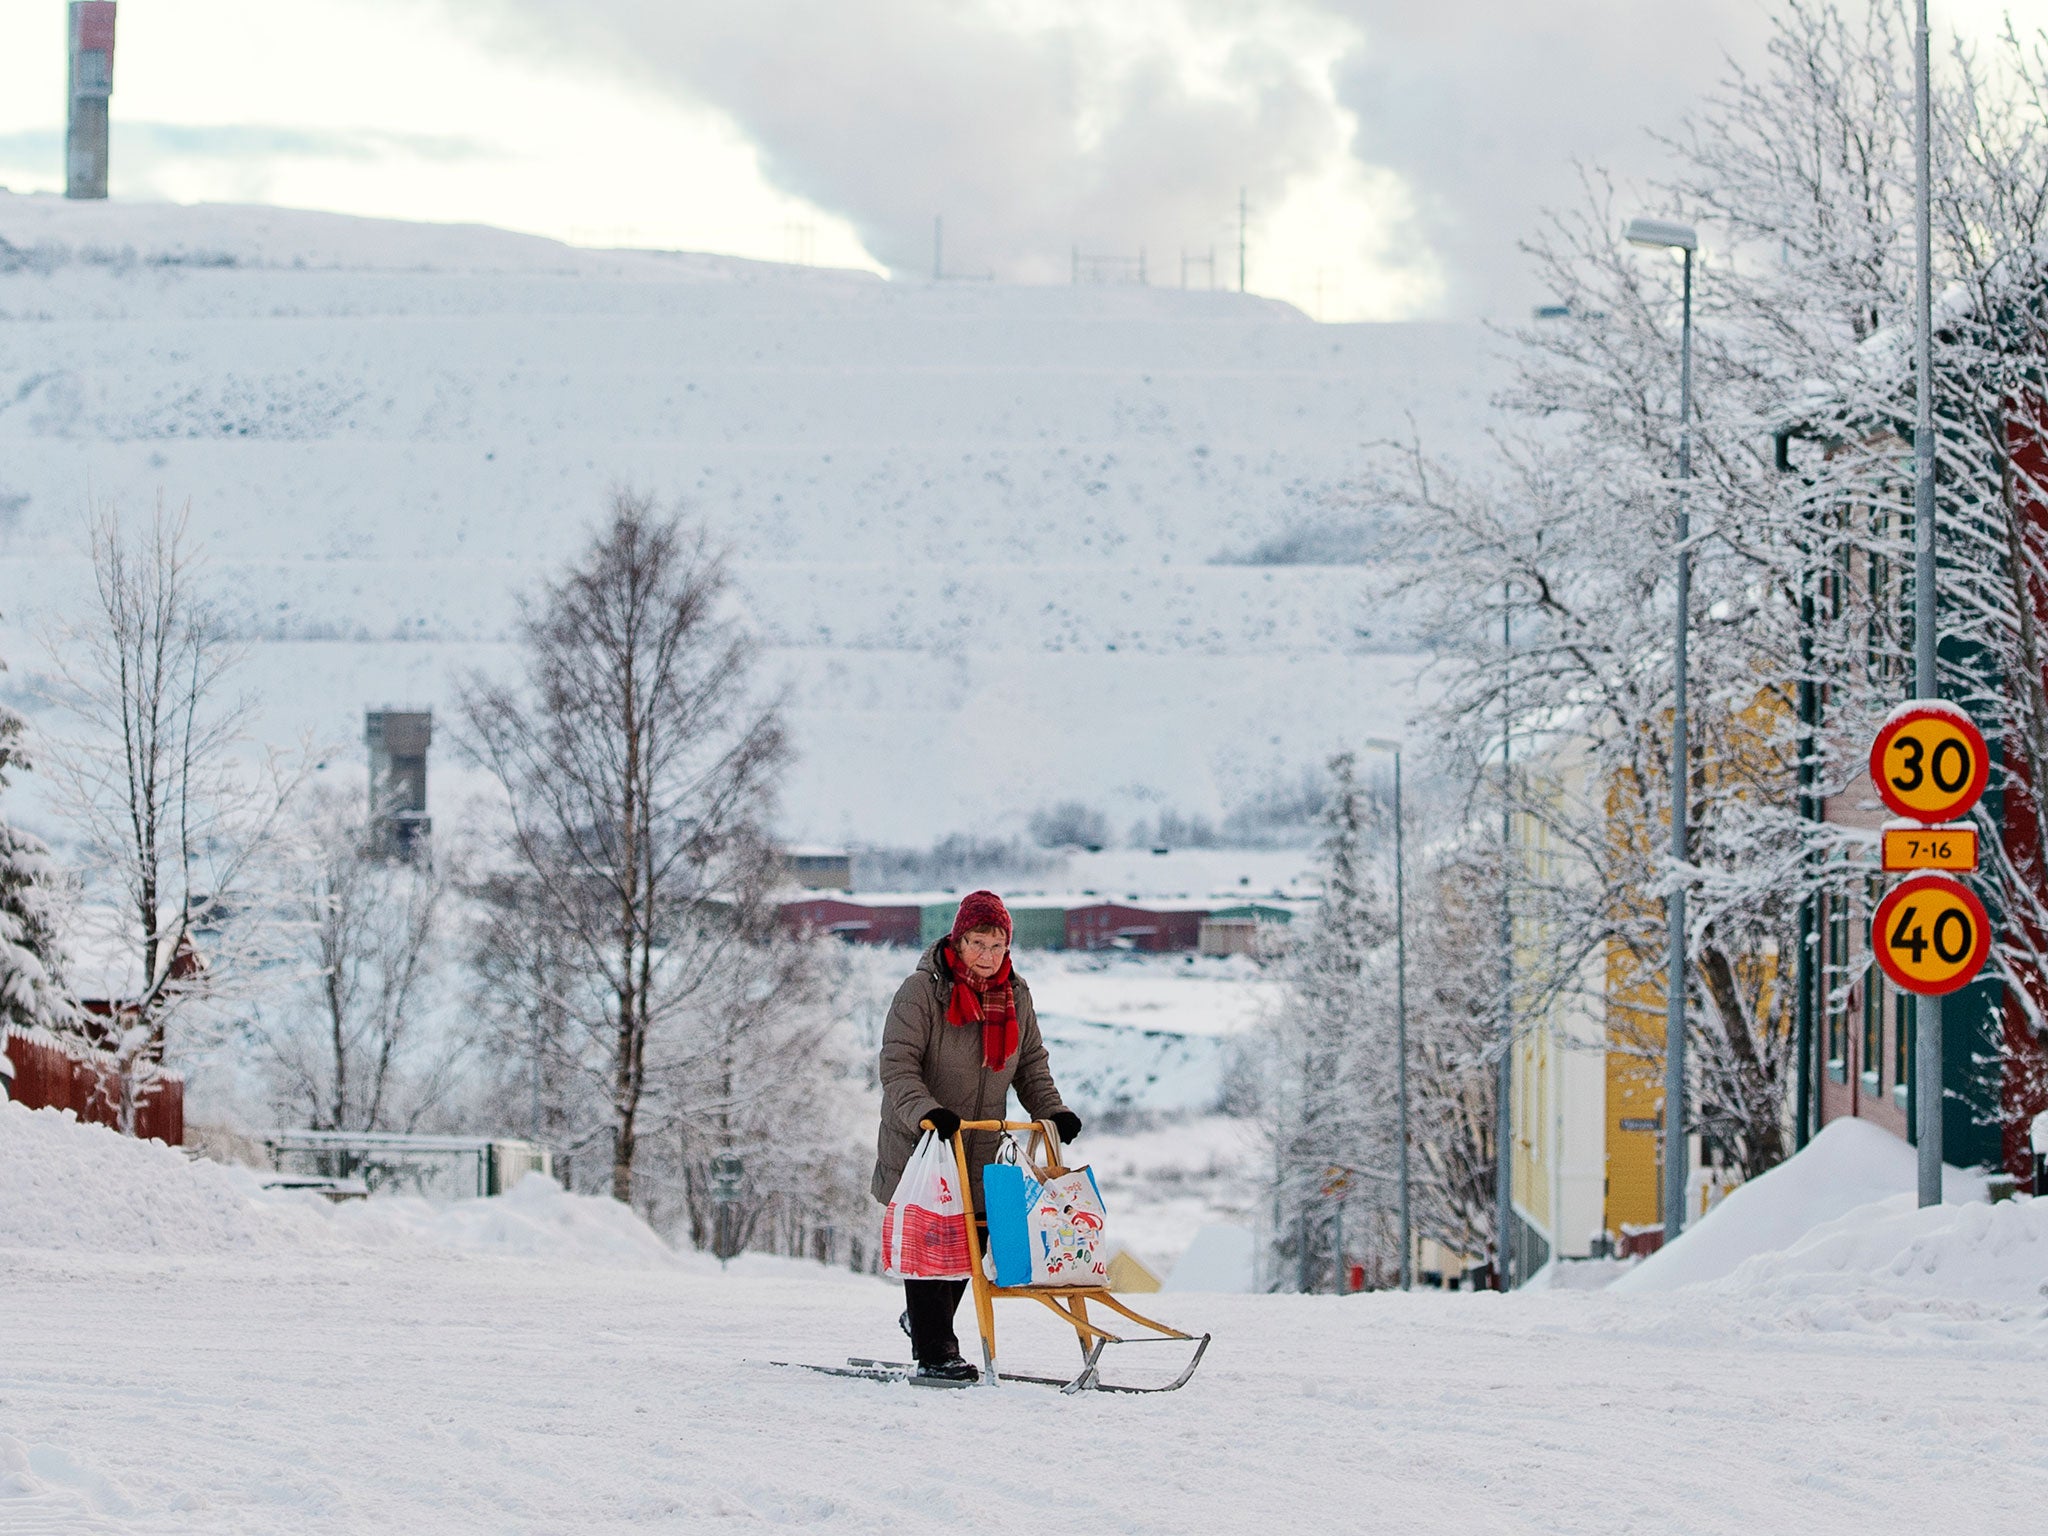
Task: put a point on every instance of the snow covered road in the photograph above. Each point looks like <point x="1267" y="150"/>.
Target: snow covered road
<point x="429" y="1393"/>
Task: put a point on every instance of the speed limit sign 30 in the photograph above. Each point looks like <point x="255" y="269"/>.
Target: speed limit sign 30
<point x="1931" y="935"/>
<point x="1929" y="763"/>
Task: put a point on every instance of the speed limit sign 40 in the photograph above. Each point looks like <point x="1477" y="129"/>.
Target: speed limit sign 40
<point x="1930" y="934"/>
<point x="1929" y="763"/>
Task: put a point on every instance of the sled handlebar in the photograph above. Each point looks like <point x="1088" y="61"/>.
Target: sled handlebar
<point x="989" y="1125"/>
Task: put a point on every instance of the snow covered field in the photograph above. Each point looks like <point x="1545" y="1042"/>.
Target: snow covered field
<point x="198" y="1360"/>
<point x="1004" y="544"/>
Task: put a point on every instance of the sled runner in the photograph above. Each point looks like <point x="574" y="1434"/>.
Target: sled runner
<point x="1068" y="1302"/>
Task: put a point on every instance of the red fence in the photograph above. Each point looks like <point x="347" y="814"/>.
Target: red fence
<point x="52" y="1074"/>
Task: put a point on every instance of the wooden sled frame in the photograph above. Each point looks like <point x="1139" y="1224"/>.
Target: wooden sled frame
<point x="1067" y="1302"/>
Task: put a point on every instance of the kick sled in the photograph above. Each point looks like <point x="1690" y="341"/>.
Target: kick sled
<point x="1069" y="1302"/>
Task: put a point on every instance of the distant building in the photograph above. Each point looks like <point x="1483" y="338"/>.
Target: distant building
<point x="90" y="92"/>
<point x="398" y="740"/>
<point x="1033" y="925"/>
<point x="853" y="921"/>
<point x="1238" y="930"/>
<point x="819" y="869"/>
<point x="1110" y="925"/>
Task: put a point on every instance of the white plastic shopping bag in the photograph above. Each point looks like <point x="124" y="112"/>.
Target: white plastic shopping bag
<point x="924" y="1228"/>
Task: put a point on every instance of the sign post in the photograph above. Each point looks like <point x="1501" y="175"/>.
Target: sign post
<point x="726" y="1173"/>
<point x="1930" y="934"/>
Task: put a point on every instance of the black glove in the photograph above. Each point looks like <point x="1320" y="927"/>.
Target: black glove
<point x="1068" y="1124"/>
<point x="944" y="1121"/>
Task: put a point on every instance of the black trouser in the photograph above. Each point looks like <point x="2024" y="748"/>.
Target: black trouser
<point x="931" y="1304"/>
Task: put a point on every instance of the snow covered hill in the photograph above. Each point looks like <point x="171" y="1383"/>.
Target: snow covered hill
<point x="1006" y="545"/>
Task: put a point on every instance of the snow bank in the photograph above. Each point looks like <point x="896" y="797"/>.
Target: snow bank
<point x="1850" y="1164"/>
<point x="66" y="1185"/>
<point x="1969" y="1261"/>
<point x="45" y="1489"/>
<point x="537" y="1220"/>
<point x="73" y="1187"/>
<point x="1219" y="1259"/>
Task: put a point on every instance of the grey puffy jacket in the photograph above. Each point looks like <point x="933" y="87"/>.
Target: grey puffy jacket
<point x="927" y="1062"/>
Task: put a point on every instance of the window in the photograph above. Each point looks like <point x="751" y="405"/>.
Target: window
<point x="1902" y="1045"/>
<point x="1871" y="1061"/>
<point x="1834" y="957"/>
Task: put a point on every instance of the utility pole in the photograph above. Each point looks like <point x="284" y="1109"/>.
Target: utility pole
<point x="1241" y="207"/>
<point x="534" y="1116"/>
<point x="1503" y="1120"/>
<point x="1927" y="1066"/>
<point x="1662" y="234"/>
<point x="1676" y="1145"/>
<point x="1400" y="1015"/>
<point x="1401" y="1029"/>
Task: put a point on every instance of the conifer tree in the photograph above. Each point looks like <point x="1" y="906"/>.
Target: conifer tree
<point x="31" y="981"/>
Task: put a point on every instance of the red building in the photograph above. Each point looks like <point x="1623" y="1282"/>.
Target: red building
<point x="2023" y="1082"/>
<point x="41" y="1071"/>
<point x="1994" y="1066"/>
<point x="854" y="921"/>
<point x="1108" y="925"/>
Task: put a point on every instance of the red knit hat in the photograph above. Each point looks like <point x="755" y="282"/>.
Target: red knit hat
<point x="982" y="909"/>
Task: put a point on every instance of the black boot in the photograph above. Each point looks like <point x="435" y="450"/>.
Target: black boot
<point x="928" y="1319"/>
<point x="952" y="1368"/>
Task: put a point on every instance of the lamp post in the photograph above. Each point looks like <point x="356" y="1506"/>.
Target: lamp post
<point x="1665" y="235"/>
<point x="1927" y="1066"/>
<point x="1400" y="1013"/>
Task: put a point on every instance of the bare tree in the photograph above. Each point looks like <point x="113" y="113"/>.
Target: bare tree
<point x="175" y="817"/>
<point x="637" y="769"/>
<point x="352" y="1044"/>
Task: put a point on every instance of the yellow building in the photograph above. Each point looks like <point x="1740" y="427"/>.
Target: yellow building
<point x="1558" y="1156"/>
<point x="1587" y="1107"/>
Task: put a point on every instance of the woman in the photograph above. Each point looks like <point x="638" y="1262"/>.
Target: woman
<point x="961" y="1033"/>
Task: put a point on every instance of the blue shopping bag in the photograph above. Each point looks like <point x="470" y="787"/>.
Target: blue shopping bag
<point x="1008" y="1191"/>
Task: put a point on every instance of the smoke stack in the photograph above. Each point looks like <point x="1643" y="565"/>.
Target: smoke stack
<point x="398" y="741"/>
<point x="92" y="85"/>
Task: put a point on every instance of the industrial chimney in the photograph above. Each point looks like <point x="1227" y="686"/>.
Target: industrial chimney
<point x="398" y="741"/>
<point x="92" y="84"/>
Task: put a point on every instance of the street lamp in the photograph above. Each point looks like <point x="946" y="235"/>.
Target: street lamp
<point x="1666" y="235"/>
<point x="1927" y="1066"/>
<point x="1378" y="744"/>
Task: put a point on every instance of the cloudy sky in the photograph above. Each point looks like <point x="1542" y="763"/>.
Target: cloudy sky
<point x="1391" y="151"/>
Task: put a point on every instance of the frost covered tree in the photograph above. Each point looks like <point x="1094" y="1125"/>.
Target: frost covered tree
<point x="174" y="813"/>
<point x="1454" y="1044"/>
<point x="637" y="766"/>
<point x="1328" y="1087"/>
<point x="360" y="1040"/>
<point x="1799" y="178"/>
<point x="32" y="994"/>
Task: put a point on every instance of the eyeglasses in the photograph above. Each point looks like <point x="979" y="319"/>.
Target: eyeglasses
<point x="981" y="948"/>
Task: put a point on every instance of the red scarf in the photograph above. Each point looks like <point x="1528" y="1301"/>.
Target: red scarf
<point x="992" y="1004"/>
